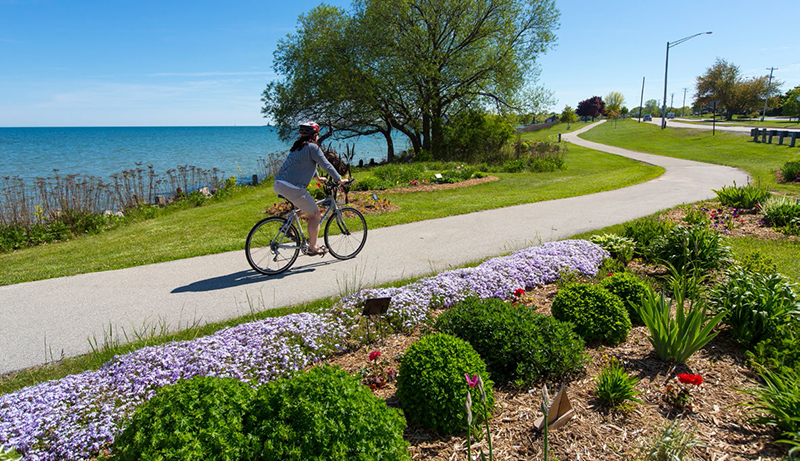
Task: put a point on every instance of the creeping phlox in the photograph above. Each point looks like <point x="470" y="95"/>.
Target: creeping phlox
<point x="77" y="416"/>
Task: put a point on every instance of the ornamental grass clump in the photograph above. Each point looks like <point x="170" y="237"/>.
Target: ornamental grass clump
<point x="776" y="403"/>
<point x="615" y="387"/>
<point x="200" y="418"/>
<point x="688" y="248"/>
<point x="431" y="388"/>
<point x="742" y="196"/>
<point x="595" y="313"/>
<point x="676" y="339"/>
<point x="323" y="413"/>
<point x="517" y="344"/>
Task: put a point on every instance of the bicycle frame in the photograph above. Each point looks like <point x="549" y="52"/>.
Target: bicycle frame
<point x="329" y="201"/>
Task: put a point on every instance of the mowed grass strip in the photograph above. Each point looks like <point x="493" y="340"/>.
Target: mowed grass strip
<point x="760" y="160"/>
<point x="223" y="226"/>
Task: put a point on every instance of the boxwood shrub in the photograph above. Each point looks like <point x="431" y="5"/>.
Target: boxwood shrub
<point x="629" y="288"/>
<point x="431" y="386"/>
<point x="200" y="418"/>
<point x="515" y="342"/>
<point x="323" y="414"/>
<point x="596" y="314"/>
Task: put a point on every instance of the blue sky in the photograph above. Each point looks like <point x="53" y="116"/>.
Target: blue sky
<point x="177" y="62"/>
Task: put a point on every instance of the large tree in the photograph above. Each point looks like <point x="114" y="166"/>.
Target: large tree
<point x="409" y="65"/>
<point x="592" y="107"/>
<point x="613" y="105"/>
<point x="733" y="93"/>
<point x="790" y="103"/>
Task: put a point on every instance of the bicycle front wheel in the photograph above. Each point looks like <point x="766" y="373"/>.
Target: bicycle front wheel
<point x="345" y="233"/>
<point x="272" y="247"/>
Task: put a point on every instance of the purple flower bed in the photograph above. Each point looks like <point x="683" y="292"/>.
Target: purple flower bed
<point x="75" y="417"/>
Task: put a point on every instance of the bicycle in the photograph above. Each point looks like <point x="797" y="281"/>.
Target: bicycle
<point x="274" y="243"/>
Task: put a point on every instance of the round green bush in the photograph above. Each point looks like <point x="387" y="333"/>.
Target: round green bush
<point x="516" y="342"/>
<point x="200" y="418"/>
<point x="629" y="288"/>
<point x="431" y="386"/>
<point x="596" y="314"/>
<point x="323" y="414"/>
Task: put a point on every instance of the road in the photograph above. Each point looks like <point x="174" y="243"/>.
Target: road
<point x="48" y="319"/>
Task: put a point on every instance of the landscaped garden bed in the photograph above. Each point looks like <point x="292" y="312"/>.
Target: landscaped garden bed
<point x="632" y="395"/>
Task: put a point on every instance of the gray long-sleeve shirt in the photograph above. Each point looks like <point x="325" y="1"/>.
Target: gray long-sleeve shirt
<point x="300" y="165"/>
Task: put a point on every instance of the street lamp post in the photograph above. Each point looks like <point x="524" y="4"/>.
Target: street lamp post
<point x="666" y="68"/>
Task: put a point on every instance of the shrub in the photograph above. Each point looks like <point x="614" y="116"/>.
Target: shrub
<point x="630" y="289"/>
<point x="517" y="343"/>
<point x="367" y="183"/>
<point x="779" y="211"/>
<point x="754" y="304"/>
<point x="477" y="136"/>
<point x="323" y="414"/>
<point x="676" y="339"/>
<point x="645" y="231"/>
<point x="621" y="248"/>
<point x="743" y="196"/>
<point x="614" y="386"/>
<point x="790" y="171"/>
<point x="200" y="418"/>
<point x="596" y="314"/>
<point x="755" y="261"/>
<point x="691" y="247"/>
<point x="431" y="387"/>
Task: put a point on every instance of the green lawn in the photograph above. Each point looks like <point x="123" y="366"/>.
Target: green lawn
<point x="761" y="161"/>
<point x="223" y="226"/>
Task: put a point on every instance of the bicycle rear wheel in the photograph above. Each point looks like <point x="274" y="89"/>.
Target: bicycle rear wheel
<point x="271" y="248"/>
<point x="345" y="233"/>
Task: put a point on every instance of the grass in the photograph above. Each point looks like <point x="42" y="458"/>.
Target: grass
<point x="779" y="124"/>
<point x="761" y="161"/>
<point x="223" y="226"/>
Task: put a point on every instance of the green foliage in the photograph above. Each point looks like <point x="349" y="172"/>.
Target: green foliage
<point x="431" y="387"/>
<point x="630" y="289"/>
<point x="62" y="227"/>
<point x="323" y="414"/>
<point x="615" y="387"/>
<point x="781" y="350"/>
<point x="780" y="210"/>
<point x="477" y="136"/>
<point x="596" y="314"/>
<point x="742" y="196"/>
<point x="367" y="183"/>
<point x="399" y="175"/>
<point x="516" y="343"/>
<point x="777" y="403"/>
<point x="755" y="261"/>
<point x="792" y="228"/>
<point x="691" y="247"/>
<point x="621" y="248"/>
<point x="677" y="338"/>
<point x="791" y="171"/>
<point x="645" y="231"/>
<point x="200" y="418"/>
<point x="9" y="455"/>
<point x="754" y="304"/>
<point x="696" y="217"/>
<point x="673" y="443"/>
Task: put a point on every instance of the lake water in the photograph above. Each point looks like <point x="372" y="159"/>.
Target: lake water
<point x="35" y="152"/>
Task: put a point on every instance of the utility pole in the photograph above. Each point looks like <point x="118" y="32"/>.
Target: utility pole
<point x="641" y="100"/>
<point x="769" y="87"/>
<point x="683" y="107"/>
<point x="671" y="100"/>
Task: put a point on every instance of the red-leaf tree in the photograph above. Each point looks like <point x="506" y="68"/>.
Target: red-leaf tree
<point x="592" y="107"/>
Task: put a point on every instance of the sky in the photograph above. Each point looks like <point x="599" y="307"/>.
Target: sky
<point x="206" y="62"/>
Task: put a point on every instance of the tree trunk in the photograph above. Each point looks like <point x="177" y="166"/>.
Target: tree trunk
<point x="426" y="130"/>
<point x="389" y="144"/>
<point x="437" y="134"/>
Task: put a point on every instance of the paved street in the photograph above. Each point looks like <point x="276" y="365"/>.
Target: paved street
<point x="45" y="319"/>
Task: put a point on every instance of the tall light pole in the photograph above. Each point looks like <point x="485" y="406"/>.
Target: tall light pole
<point x="666" y="68"/>
<point x="683" y="107"/>
<point x="769" y="88"/>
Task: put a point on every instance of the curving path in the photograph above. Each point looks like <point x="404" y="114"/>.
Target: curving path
<point x="48" y="319"/>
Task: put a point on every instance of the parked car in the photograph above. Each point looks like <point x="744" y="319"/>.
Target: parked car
<point x="670" y="115"/>
<point x="648" y="117"/>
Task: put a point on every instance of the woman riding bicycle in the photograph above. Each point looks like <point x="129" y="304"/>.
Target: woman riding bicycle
<point x="296" y="173"/>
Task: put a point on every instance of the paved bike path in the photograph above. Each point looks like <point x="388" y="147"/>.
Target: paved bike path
<point x="43" y="320"/>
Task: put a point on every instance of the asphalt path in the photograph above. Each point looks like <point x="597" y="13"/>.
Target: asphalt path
<point x="676" y="123"/>
<point x="49" y="319"/>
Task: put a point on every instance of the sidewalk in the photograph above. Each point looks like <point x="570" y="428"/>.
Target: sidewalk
<point x="47" y="319"/>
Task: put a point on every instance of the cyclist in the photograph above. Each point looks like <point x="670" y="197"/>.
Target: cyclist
<point x="297" y="171"/>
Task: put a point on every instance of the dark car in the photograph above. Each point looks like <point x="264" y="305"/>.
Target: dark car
<point x="648" y="118"/>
